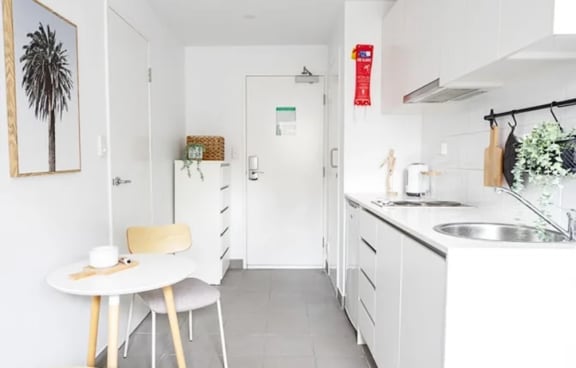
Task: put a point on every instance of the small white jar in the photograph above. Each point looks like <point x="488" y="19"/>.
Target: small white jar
<point x="104" y="256"/>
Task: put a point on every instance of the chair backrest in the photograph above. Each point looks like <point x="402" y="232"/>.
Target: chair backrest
<point x="158" y="239"/>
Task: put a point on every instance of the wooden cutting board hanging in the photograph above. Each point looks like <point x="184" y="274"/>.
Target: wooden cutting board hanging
<point x="493" y="156"/>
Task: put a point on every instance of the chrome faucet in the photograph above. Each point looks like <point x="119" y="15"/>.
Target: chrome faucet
<point x="570" y="234"/>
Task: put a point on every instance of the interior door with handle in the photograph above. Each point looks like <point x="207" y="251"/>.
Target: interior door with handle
<point x="284" y="132"/>
<point x="129" y="127"/>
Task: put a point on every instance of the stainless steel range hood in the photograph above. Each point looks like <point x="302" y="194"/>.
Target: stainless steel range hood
<point x="434" y="93"/>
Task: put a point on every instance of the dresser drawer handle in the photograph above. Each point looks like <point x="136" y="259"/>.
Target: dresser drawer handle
<point x="224" y="254"/>
<point x="225" y="187"/>
<point x="224" y="210"/>
<point x="224" y="232"/>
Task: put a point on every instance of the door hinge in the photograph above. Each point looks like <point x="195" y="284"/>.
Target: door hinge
<point x="149" y="75"/>
<point x="323" y="242"/>
<point x="324" y="99"/>
<point x="323" y="171"/>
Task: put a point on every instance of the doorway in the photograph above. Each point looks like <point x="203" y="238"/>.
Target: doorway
<point x="284" y="193"/>
<point x="129" y="136"/>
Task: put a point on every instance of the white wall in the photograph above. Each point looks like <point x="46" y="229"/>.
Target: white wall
<point x="461" y="126"/>
<point x="215" y="103"/>
<point x="48" y="221"/>
<point x="369" y="134"/>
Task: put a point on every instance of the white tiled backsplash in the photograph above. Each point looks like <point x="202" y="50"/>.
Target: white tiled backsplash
<point x="460" y="125"/>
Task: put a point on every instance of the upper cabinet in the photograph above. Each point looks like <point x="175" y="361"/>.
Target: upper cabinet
<point x="471" y="43"/>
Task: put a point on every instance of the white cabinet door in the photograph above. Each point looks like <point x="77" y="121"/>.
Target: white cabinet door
<point x="423" y="38"/>
<point x="469" y="37"/>
<point x="522" y="24"/>
<point x="388" y="274"/>
<point x="394" y="53"/>
<point x="423" y="307"/>
<point x="351" y="261"/>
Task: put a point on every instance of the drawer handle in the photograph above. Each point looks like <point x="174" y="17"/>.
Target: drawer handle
<point x="225" y="187"/>
<point x="224" y="254"/>
<point x="368" y="278"/>
<point x="367" y="313"/>
<point x="368" y="245"/>
<point x="224" y="232"/>
<point x="224" y="210"/>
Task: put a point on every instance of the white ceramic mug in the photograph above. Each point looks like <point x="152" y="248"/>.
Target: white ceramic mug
<point x="104" y="256"/>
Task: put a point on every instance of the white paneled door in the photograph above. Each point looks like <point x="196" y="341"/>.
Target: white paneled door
<point x="129" y="127"/>
<point x="285" y="172"/>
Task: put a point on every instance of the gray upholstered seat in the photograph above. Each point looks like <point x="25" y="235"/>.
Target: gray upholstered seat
<point x="189" y="294"/>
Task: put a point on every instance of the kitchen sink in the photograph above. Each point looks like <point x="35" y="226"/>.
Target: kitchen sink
<point x="416" y="203"/>
<point x="499" y="232"/>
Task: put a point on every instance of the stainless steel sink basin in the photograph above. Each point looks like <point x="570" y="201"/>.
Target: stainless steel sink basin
<point x="499" y="232"/>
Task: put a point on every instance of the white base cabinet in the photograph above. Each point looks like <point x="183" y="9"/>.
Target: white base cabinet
<point x="401" y="295"/>
<point x="204" y="205"/>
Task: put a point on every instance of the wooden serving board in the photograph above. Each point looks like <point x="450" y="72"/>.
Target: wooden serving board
<point x="89" y="271"/>
<point x="493" y="156"/>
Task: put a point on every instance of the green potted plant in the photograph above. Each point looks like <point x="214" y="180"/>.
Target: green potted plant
<point x="194" y="152"/>
<point x="543" y="158"/>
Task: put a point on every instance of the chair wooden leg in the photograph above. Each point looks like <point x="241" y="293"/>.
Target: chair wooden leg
<point x="173" y="319"/>
<point x="190" y="325"/>
<point x="224" y="356"/>
<point x="93" y="335"/>
<point x="153" y="337"/>
<point x="130" y="311"/>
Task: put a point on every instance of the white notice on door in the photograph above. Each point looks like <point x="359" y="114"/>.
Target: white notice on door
<point x="285" y="120"/>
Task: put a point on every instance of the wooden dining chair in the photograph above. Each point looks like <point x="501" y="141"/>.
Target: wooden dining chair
<point x="189" y="294"/>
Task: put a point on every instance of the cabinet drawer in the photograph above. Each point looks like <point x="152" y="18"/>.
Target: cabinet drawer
<point x="224" y="175"/>
<point x="225" y="239"/>
<point x="366" y="327"/>
<point x="224" y="197"/>
<point x="369" y="228"/>
<point x="367" y="294"/>
<point x="367" y="261"/>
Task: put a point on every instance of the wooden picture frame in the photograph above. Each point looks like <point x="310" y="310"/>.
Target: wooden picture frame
<point x="43" y="116"/>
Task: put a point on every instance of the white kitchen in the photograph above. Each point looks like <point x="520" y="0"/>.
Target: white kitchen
<point x="417" y="213"/>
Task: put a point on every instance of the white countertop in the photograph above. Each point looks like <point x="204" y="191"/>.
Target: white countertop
<point x="419" y="222"/>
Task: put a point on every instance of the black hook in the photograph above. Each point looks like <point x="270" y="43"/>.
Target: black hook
<point x="513" y="118"/>
<point x="493" y="122"/>
<point x="552" y="111"/>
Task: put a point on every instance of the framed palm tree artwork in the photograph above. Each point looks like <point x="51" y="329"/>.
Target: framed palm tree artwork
<point x="41" y="62"/>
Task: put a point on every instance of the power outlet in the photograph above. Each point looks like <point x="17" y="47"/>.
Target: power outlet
<point x="443" y="149"/>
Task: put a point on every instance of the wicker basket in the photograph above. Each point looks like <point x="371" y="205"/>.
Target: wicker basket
<point x="213" y="146"/>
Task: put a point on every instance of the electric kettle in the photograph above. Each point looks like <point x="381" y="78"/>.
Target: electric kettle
<point x="417" y="183"/>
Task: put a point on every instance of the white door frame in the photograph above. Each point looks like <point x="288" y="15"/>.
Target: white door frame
<point x="245" y="164"/>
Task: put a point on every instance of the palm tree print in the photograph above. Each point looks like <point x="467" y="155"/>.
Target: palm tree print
<point x="47" y="81"/>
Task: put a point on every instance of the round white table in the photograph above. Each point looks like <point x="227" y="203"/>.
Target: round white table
<point x="154" y="271"/>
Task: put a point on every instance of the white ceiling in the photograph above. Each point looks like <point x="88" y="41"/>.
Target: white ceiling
<point x="250" y="22"/>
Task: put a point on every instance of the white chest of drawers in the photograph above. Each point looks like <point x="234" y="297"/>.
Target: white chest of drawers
<point x="204" y="205"/>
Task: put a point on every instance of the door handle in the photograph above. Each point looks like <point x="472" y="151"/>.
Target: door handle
<point x="253" y="168"/>
<point x="332" y="164"/>
<point x="119" y="181"/>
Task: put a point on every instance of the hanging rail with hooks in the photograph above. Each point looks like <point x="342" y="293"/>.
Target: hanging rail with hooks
<point x="493" y="116"/>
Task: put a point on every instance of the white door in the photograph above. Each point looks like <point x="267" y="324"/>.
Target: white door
<point x="129" y="127"/>
<point x="284" y="205"/>
<point x="334" y="252"/>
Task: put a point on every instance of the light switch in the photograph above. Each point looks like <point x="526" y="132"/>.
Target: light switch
<point x="101" y="146"/>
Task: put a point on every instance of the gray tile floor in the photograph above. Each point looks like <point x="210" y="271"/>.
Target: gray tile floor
<point x="272" y="319"/>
